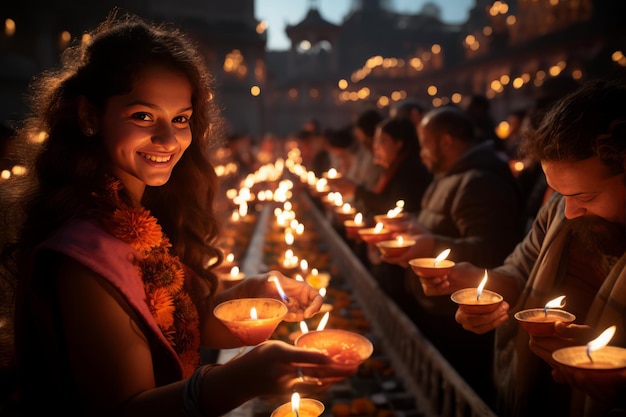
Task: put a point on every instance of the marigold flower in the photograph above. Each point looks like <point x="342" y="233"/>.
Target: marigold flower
<point x="138" y="228"/>
<point x="161" y="306"/>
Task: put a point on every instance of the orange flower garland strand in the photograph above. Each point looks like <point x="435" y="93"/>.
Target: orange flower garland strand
<point x="163" y="277"/>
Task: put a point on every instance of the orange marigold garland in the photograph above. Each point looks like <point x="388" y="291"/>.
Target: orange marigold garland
<point x="162" y="274"/>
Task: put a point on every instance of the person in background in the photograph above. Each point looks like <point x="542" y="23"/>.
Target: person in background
<point x="313" y="151"/>
<point x="478" y="109"/>
<point x="471" y="207"/>
<point x="364" y="130"/>
<point x="577" y="248"/>
<point x="411" y="109"/>
<point x="405" y="177"/>
<point x="348" y="155"/>
<point x="114" y="293"/>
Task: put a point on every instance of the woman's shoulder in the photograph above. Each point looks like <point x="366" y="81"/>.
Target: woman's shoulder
<point x="90" y="244"/>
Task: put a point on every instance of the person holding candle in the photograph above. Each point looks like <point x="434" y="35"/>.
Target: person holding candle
<point x="576" y="247"/>
<point x="472" y="207"/>
<point x="114" y="295"/>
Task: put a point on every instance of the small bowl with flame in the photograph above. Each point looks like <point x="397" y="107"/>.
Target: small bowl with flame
<point x="375" y="234"/>
<point x="432" y="267"/>
<point x="395" y="247"/>
<point x="540" y="321"/>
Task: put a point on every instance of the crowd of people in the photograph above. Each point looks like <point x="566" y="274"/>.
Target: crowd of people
<point x="117" y="221"/>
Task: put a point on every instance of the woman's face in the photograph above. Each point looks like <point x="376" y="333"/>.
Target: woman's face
<point x="146" y="131"/>
<point x="386" y="149"/>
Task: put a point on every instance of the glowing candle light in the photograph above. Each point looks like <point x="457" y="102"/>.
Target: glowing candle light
<point x="558" y="302"/>
<point x="323" y="321"/>
<point x="304" y="266"/>
<point x="479" y="290"/>
<point x="358" y="219"/>
<point x="295" y="403"/>
<point x="443" y="255"/>
<point x="601" y="341"/>
<point x="289" y="238"/>
<point x="322" y="292"/>
<point x="303" y="327"/>
<point x="282" y="294"/>
<point x="253" y="314"/>
<point x="378" y="228"/>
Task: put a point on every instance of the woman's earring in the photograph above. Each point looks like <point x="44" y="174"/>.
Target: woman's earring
<point x="89" y="131"/>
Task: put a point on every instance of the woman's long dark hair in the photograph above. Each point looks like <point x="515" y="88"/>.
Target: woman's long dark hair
<point x="70" y="166"/>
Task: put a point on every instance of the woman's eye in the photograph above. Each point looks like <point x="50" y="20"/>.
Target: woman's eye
<point x="181" y="119"/>
<point x="142" y="116"/>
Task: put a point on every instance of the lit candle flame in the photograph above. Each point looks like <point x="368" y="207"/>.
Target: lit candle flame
<point x="443" y="255"/>
<point x="323" y="321"/>
<point x="558" y="302"/>
<point x="358" y="218"/>
<point x="303" y="327"/>
<point x="400" y="204"/>
<point x="600" y="341"/>
<point x="322" y="292"/>
<point x="346" y="208"/>
<point x="479" y="290"/>
<point x="299" y="277"/>
<point x="234" y="271"/>
<point x="253" y="314"/>
<point x="378" y="228"/>
<point x="230" y="257"/>
<point x="282" y="294"/>
<point x="295" y="403"/>
<point x="289" y="239"/>
<point x="304" y="265"/>
<point x="332" y="173"/>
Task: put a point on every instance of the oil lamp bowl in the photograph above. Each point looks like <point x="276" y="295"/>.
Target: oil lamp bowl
<point x="369" y="234"/>
<point x="425" y="267"/>
<point x="344" y="347"/>
<point x="466" y="299"/>
<point x="228" y="280"/>
<point x="537" y="323"/>
<point x="308" y="407"/>
<point x="235" y="314"/>
<point x="386" y="220"/>
<point x="607" y="358"/>
<point x="393" y="248"/>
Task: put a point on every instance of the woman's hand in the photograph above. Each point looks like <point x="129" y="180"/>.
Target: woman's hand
<point x="302" y="300"/>
<point x="279" y="367"/>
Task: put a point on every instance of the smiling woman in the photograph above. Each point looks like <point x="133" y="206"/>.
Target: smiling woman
<point x="114" y="298"/>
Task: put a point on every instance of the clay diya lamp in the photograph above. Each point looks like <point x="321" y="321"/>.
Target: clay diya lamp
<point x="540" y="321"/>
<point x="252" y="320"/>
<point x="342" y="346"/>
<point x="353" y="226"/>
<point x="477" y="300"/>
<point x="226" y="265"/>
<point x="299" y="407"/>
<point x="344" y="212"/>
<point x="375" y="234"/>
<point x="432" y="267"/>
<point x="596" y="356"/>
<point x="395" y="247"/>
<point x="399" y="222"/>
<point x="317" y="279"/>
<point x="231" y="278"/>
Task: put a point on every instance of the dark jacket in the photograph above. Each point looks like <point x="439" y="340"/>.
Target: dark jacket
<point x="408" y="183"/>
<point x="474" y="209"/>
